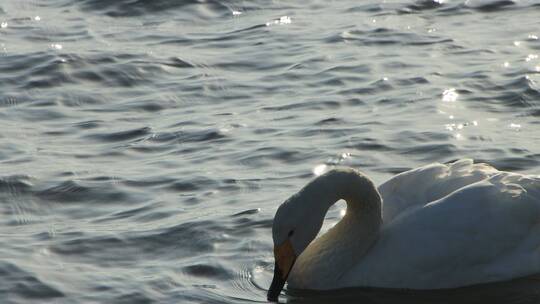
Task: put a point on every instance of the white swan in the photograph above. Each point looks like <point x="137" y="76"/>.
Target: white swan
<point x="441" y="226"/>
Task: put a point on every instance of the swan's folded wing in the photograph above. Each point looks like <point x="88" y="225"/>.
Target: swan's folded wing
<point x="426" y="184"/>
<point x="485" y="232"/>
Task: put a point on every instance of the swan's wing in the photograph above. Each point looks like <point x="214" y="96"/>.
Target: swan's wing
<point x="426" y="184"/>
<point x="484" y="232"/>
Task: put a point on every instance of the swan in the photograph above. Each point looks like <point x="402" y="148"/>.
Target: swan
<point x="438" y="226"/>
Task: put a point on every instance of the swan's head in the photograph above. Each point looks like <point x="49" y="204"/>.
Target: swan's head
<point x="298" y="221"/>
<point x="296" y="224"/>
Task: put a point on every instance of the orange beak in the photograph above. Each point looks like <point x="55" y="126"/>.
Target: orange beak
<point x="284" y="260"/>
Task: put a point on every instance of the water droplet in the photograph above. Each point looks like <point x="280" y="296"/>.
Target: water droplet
<point x="37" y="18"/>
<point x="236" y="13"/>
<point x="515" y="126"/>
<point x="281" y="20"/>
<point x="319" y="169"/>
<point x="56" y="46"/>
<point x="3" y="25"/>
<point x="531" y="57"/>
<point x="450" y="95"/>
<point x="285" y="20"/>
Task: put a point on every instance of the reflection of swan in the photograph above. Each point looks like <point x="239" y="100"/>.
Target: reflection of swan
<point x="441" y="226"/>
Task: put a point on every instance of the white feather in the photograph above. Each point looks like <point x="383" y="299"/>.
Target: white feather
<point x="443" y="226"/>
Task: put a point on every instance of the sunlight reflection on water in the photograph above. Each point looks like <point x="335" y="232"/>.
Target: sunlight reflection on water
<point x="146" y="145"/>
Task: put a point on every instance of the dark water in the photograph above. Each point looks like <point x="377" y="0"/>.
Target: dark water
<point x="521" y="290"/>
<point x="145" y="145"/>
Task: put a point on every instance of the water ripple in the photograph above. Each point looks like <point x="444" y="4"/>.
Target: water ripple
<point x="19" y="283"/>
<point x="126" y="8"/>
<point x="146" y="145"/>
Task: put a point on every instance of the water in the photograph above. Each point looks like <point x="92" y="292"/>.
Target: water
<point x="145" y="145"/>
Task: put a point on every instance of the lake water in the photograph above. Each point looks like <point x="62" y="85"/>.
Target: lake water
<point x="145" y="145"/>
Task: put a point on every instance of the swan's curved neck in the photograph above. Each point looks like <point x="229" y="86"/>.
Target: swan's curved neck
<point x="350" y="185"/>
<point x="328" y="257"/>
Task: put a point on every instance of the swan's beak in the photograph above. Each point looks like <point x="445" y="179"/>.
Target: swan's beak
<point x="284" y="257"/>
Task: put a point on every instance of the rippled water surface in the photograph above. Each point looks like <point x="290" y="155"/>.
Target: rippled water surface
<point x="145" y="145"/>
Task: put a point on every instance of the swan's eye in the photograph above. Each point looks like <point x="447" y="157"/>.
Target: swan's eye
<point x="291" y="233"/>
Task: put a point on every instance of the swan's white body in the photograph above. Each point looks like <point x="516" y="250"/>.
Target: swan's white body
<point x="442" y="226"/>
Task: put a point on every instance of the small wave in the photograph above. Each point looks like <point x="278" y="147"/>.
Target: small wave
<point x="150" y="182"/>
<point x="373" y="88"/>
<point x="179" y="141"/>
<point x="461" y="7"/>
<point x="222" y="39"/>
<point x="370" y="7"/>
<point x="386" y="36"/>
<point x="368" y="144"/>
<point x="15" y="185"/>
<point x="211" y="271"/>
<point x="192" y="185"/>
<point x="77" y="192"/>
<point x="489" y="5"/>
<point x="315" y="105"/>
<point x="21" y="284"/>
<point x="135" y="297"/>
<point x="129" y="8"/>
<point x="16" y="200"/>
<point x="185" y="239"/>
<point x="33" y="71"/>
<point x="247" y="212"/>
<point x="534" y="113"/>
<point x="426" y="5"/>
<point x="178" y="63"/>
<point x="430" y="152"/>
<point x="189" y="136"/>
<point x="515" y="163"/>
<point x="266" y="155"/>
<point x="331" y="121"/>
<point x="141" y="214"/>
<point x="89" y="124"/>
<point x="128" y="135"/>
<point x="513" y="94"/>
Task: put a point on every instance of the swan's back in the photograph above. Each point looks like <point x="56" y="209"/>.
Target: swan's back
<point x="484" y="231"/>
<point x="429" y="183"/>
